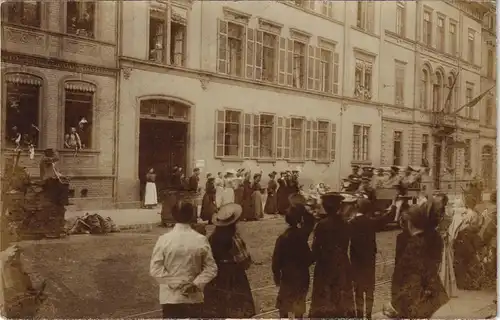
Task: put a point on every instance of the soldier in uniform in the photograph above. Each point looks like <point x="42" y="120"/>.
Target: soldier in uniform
<point x="367" y="172"/>
<point x="354" y="178"/>
<point x="379" y="178"/>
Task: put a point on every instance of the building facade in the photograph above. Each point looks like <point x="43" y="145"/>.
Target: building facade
<point x="58" y="91"/>
<point x="268" y="85"/>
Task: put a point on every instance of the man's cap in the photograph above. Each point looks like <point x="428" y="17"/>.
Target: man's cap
<point x="368" y="168"/>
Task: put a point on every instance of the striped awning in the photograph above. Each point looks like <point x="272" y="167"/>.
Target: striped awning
<point x="79" y="86"/>
<point x="22" y="78"/>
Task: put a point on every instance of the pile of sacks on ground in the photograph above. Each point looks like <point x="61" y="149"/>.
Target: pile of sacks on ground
<point x="90" y="224"/>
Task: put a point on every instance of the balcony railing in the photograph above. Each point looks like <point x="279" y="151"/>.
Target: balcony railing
<point x="442" y="123"/>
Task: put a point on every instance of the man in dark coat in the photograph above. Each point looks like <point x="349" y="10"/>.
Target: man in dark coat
<point x="363" y="250"/>
<point x="194" y="180"/>
<point x="332" y="284"/>
<point x="354" y="178"/>
<point x="417" y="291"/>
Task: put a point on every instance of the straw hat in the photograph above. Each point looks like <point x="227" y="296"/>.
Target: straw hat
<point x="227" y="215"/>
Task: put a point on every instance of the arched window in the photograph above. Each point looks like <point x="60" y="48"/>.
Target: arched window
<point x="438" y="93"/>
<point x="450" y="105"/>
<point x="424" y="89"/>
<point x="22" y="110"/>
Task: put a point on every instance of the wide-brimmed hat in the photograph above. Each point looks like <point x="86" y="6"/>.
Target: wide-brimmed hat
<point x="227" y="215"/>
<point x="230" y="173"/>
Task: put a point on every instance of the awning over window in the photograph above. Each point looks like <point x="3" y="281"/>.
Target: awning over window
<point x="79" y="86"/>
<point x="21" y="78"/>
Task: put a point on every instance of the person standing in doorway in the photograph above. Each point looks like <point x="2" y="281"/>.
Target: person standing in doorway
<point x="150" y="195"/>
<point x="182" y="263"/>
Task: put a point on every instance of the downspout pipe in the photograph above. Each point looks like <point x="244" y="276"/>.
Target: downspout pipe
<point x="343" y="91"/>
<point x="416" y="76"/>
<point x="116" y="138"/>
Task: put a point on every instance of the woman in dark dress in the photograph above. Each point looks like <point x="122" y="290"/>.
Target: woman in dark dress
<point x="290" y="263"/>
<point x="271" y="206"/>
<point x="246" y="201"/>
<point x="229" y="294"/>
<point x="332" y="295"/>
<point x="282" y="195"/>
<point x="208" y="202"/>
<point x="238" y="188"/>
<point x="257" y="210"/>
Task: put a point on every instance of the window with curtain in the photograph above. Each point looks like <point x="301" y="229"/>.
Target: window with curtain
<point x="438" y="92"/>
<point x="323" y="132"/>
<point x="266" y="134"/>
<point x="299" y="64"/>
<point x="424" y="89"/>
<point x="326" y="70"/>
<point x="177" y="43"/>
<point x="467" y="154"/>
<point x="363" y="79"/>
<point x="400" y="83"/>
<point x="400" y="18"/>
<point x="361" y="139"/>
<point x="427" y="31"/>
<point x="232" y="129"/>
<point x="469" y="91"/>
<point x="269" y="57"/>
<point x="425" y="150"/>
<point x="297" y="136"/>
<point x="440" y="34"/>
<point x="471" y="46"/>
<point x="397" y="148"/>
<point x="489" y="112"/>
<point x="78" y="115"/>
<point x="157" y="32"/>
<point x="236" y="34"/>
<point x="25" y="12"/>
<point x="453" y="39"/>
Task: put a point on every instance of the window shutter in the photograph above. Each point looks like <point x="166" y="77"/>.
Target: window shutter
<point x="317" y="71"/>
<point x="290" y="63"/>
<point x="279" y="138"/>
<point x="370" y="16"/>
<point x="335" y="73"/>
<point x="219" y="133"/>
<point x="310" y="69"/>
<point x="287" y="138"/>
<point x="247" y="135"/>
<point x="308" y="140"/>
<point x="315" y="140"/>
<point x="256" y="136"/>
<point x="222" y="44"/>
<point x="258" y="55"/>
<point x="333" y="141"/>
<point x="250" y="53"/>
<point x="282" y="61"/>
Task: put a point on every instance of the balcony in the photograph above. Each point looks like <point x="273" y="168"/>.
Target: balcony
<point x="31" y="41"/>
<point x="442" y="124"/>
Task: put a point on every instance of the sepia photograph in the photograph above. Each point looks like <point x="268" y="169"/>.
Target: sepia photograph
<point x="240" y="159"/>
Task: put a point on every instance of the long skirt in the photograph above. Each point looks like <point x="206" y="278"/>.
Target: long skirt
<point x="257" y="205"/>
<point x="150" y="195"/>
<point x="207" y="207"/>
<point x="271" y="206"/>
<point x="446" y="271"/>
<point x="229" y="294"/>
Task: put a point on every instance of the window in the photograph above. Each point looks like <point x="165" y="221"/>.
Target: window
<point x="468" y="97"/>
<point x="471" y="46"/>
<point x="366" y="15"/>
<point x="361" y="137"/>
<point x="326" y="70"/>
<point x="27" y="13"/>
<point x="80" y="18"/>
<point x="400" y="18"/>
<point x="22" y="112"/>
<point x="425" y="150"/>
<point x="78" y="115"/>
<point x="164" y="47"/>
<point x="327" y="8"/>
<point x="228" y="133"/>
<point x="297" y="136"/>
<point x="397" y="151"/>
<point x="440" y="34"/>
<point x="490" y="67"/>
<point x="400" y="83"/>
<point x="230" y="55"/>
<point x="269" y="56"/>
<point x="178" y="29"/>
<point x="266" y="135"/>
<point x="323" y="132"/>
<point x="437" y="99"/>
<point x="363" y="79"/>
<point x="427" y="34"/>
<point x="450" y="103"/>
<point x="467" y="154"/>
<point x="489" y="112"/>
<point x="299" y="64"/>
<point x="453" y="39"/>
<point x="424" y="89"/>
<point x="449" y="153"/>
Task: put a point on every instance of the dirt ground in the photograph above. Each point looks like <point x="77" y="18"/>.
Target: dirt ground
<point x="91" y="276"/>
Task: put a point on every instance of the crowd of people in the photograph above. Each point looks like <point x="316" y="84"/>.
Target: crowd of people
<point x="441" y="247"/>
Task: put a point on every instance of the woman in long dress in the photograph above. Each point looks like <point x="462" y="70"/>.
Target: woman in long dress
<point x="271" y="206"/>
<point x="229" y="294"/>
<point x="208" y="202"/>
<point x="282" y="194"/>
<point x="246" y="200"/>
<point x="257" y="198"/>
<point x="150" y="195"/>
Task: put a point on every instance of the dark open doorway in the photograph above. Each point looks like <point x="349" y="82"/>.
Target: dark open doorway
<point x="162" y="145"/>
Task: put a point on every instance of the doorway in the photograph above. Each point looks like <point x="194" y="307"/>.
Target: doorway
<point x="162" y="145"/>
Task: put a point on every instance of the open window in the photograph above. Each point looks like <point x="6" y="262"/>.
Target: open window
<point x="80" y="18"/>
<point x="26" y="13"/>
<point x="78" y="115"/>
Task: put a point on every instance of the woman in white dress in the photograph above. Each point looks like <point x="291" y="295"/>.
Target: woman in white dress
<point x="150" y="196"/>
<point x="225" y="195"/>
